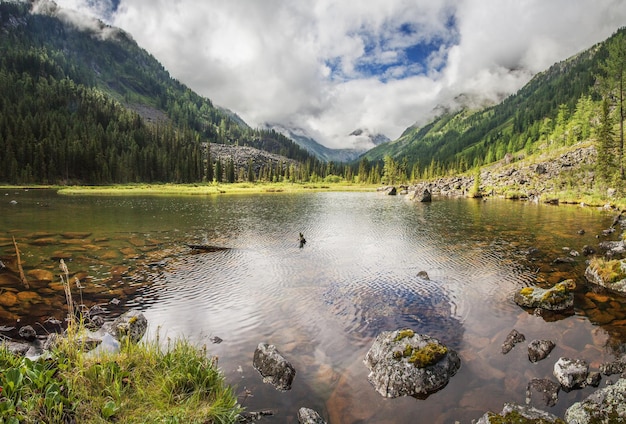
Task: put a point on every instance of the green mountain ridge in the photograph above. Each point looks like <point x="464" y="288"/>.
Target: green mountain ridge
<point x="83" y="103"/>
<point x="458" y="140"/>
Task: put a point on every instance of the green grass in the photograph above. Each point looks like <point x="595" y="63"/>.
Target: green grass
<point x="212" y="188"/>
<point x="143" y="383"/>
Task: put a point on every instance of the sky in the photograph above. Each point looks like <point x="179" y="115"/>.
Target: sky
<point x="329" y="67"/>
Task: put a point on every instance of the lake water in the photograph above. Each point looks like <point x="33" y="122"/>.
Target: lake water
<point x="323" y="304"/>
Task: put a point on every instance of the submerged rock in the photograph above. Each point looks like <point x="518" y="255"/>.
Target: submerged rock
<point x="557" y="298"/>
<point x="607" y="405"/>
<point x="274" y="368"/>
<point x="512" y="339"/>
<point x="512" y="413"/>
<point x="403" y="363"/>
<point x="547" y="389"/>
<point x="309" y="416"/>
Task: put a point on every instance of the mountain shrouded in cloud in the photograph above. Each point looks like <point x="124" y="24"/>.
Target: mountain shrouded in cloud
<point x="330" y="67"/>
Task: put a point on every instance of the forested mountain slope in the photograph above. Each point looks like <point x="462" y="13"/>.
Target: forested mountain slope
<point x="83" y="103"/>
<point x="557" y="107"/>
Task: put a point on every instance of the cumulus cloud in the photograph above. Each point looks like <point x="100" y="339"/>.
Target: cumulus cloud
<point x="330" y="67"/>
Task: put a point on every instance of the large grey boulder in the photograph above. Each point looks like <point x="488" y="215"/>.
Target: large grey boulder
<point x="273" y="367"/>
<point x="404" y="363"/>
<point x="512" y="413"/>
<point x="571" y="373"/>
<point x="309" y="416"/>
<point x="557" y="298"/>
<point x="607" y="405"/>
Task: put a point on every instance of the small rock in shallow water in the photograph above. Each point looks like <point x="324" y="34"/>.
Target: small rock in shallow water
<point x="539" y="349"/>
<point x="512" y="339"/>
<point x="216" y="340"/>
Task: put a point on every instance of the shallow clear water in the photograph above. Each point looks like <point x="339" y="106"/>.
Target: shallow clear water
<point x="323" y="304"/>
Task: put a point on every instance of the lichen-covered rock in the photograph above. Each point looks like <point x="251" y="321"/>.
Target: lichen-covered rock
<point x="571" y="373"/>
<point x="607" y="405"/>
<point x="610" y="274"/>
<point x="131" y="325"/>
<point x="512" y="339"/>
<point x="309" y="416"/>
<point x="557" y="298"/>
<point x="404" y="363"/>
<point x="27" y="332"/>
<point x="615" y="367"/>
<point x="539" y="349"/>
<point x="274" y="368"/>
<point x="518" y="414"/>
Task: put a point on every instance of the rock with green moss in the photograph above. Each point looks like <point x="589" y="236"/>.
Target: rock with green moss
<point x="610" y="274"/>
<point x="518" y="414"/>
<point x="607" y="405"/>
<point x="557" y="298"/>
<point x="404" y="363"/>
<point x="131" y="325"/>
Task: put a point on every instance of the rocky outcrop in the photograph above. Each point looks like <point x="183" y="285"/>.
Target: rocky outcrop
<point x="516" y="179"/>
<point x="539" y="349"/>
<point x="607" y="405"/>
<point x="557" y="298"/>
<point x="512" y="413"/>
<point x="404" y="363"/>
<point x="273" y="367"/>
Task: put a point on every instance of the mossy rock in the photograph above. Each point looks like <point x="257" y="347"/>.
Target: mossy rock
<point x="610" y="274"/>
<point x="404" y="363"/>
<point x="557" y="298"/>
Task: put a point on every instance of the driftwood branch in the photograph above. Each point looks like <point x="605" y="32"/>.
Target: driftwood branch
<point x="19" y="265"/>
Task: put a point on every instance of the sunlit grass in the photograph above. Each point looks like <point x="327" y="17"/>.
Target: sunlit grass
<point x="213" y="188"/>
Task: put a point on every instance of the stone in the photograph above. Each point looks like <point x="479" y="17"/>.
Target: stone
<point x="557" y="298"/>
<point x="548" y="389"/>
<point x="404" y="363"/>
<point x="131" y="325"/>
<point x="27" y="332"/>
<point x="615" y="367"/>
<point x="607" y="405"/>
<point x="609" y="274"/>
<point x="512" y="339"/>
<point x="571" y="373"/>
<point x="274" y="368"/>
<point x="309" y="416"/>
<point x="422" y="196"/>
<point x="512" y="413"/>
<point x="539" y="349"/>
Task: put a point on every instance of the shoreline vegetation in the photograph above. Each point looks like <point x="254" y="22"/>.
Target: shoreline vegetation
<point x="198" y="189"/>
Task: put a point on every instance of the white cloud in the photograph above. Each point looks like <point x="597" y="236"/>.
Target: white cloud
<point x="309" y="63"/>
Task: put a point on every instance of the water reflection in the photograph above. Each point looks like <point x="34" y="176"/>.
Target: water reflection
<point x="323" y="304"/>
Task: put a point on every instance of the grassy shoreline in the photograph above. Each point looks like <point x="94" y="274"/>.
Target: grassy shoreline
<point x="202" y="189"/>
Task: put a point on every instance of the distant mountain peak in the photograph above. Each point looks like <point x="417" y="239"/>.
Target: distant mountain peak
<point x="365" y="140"/>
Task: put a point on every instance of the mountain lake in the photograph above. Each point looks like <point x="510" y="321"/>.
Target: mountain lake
<point x="322" y="304"/>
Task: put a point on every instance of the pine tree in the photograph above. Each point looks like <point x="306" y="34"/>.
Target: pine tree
<point x="613" y="85"/>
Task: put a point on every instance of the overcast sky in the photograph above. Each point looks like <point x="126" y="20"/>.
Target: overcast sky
<point x="330" y="66"/>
